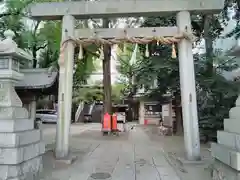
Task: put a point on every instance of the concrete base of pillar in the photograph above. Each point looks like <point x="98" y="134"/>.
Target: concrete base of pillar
<point x="67" y="160"/>
<point x="184" y="160"/>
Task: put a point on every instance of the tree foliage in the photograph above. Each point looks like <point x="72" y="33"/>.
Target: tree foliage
<point x="87" y="94"/>
<point x="127" y="69"/>
<point x="234" y="5"/>
<point x="215" y="94"/>
<point x="30" y="35"/>
<point x="42" y="38"/>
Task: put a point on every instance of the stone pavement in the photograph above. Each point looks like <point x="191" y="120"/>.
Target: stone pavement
<point x="129" y="156"/>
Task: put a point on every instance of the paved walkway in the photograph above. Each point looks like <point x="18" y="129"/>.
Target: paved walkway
<point x="130" y="156"/>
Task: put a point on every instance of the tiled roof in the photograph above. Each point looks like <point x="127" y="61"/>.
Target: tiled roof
<point x="37" y="79"/>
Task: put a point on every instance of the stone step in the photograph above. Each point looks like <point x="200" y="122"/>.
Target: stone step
<point x="232" y="125"/>
<point x="7" y="111"/>
<point x="14" y="156"/>
<point x="231" y="140"/>
<point x="234" y="112"/>
<point x="226" y="155"/>
<point x="11" y="140"/>
<point x="220" y="169"/>
<point x="16" y="125"/>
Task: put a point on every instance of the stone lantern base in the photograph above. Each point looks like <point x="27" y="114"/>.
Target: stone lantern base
<point x="20" y="150"/>
<point x="227" y="150"/>
<point x="20" y="144"/>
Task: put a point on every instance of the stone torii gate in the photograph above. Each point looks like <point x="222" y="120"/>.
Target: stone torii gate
<point x="68" y="11"/>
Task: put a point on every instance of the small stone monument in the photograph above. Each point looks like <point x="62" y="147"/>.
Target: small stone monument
<point x="21" y="148"/>
<point x="227" y="149"/>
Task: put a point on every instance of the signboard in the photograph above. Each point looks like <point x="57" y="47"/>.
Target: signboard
<point x="121" y="116"/>
<point x="152" y="112"/>
<point x="165" y="110"/>
<point x="167" y="115"/>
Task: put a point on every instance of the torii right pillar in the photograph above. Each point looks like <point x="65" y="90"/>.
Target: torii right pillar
<point x="188" y="89"/>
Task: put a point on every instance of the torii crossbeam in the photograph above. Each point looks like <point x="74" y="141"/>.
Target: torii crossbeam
<point x="122" y="8"/>
<point x="68" y="11"/>
<point x="130" y="32"/>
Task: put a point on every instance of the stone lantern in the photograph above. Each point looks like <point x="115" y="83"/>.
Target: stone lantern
<point x="10" y="103"/>
<point x="20" y="144"/>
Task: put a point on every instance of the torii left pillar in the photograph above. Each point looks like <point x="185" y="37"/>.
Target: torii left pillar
<point x="66" y="60"/>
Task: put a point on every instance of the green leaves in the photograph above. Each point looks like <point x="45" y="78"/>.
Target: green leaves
<point x="87" y="94"/>
<point x="43" y="38"/>
<point x="32" y="35"/>
<point x="235" y="6"/>
<point x="215" y="94"/>
<point x="124" y="67"/>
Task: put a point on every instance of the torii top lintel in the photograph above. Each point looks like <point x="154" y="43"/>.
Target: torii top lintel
<point x="121" y="8"/>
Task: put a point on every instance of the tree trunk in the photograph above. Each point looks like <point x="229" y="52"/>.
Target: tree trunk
<point x="130" y="100"/>
<point x="178" y="114"/>
<point x="35" y="48"/>
<point x="179" y="120"/>
<point x="34" y="53"/>
<point x="238" y="12"/>
<point x="107" y="88"/>
<point x="208" y="42"/>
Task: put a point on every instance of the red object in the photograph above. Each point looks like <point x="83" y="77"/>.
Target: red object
<point x="114" y="123"/>
<point x="106" y="124"/>
<point x="145" y="122"/>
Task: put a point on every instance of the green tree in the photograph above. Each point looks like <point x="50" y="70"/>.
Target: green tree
<point x="44" y="38"/>
<point x="234" y="5"/>
<point x="30" y="35"/>
<point x="118" y="93"/>
<point x="87" y="94"/>
<point x="12" y="19"/>
<point x="127" y="71"/>
<point x="208" y="67"/>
